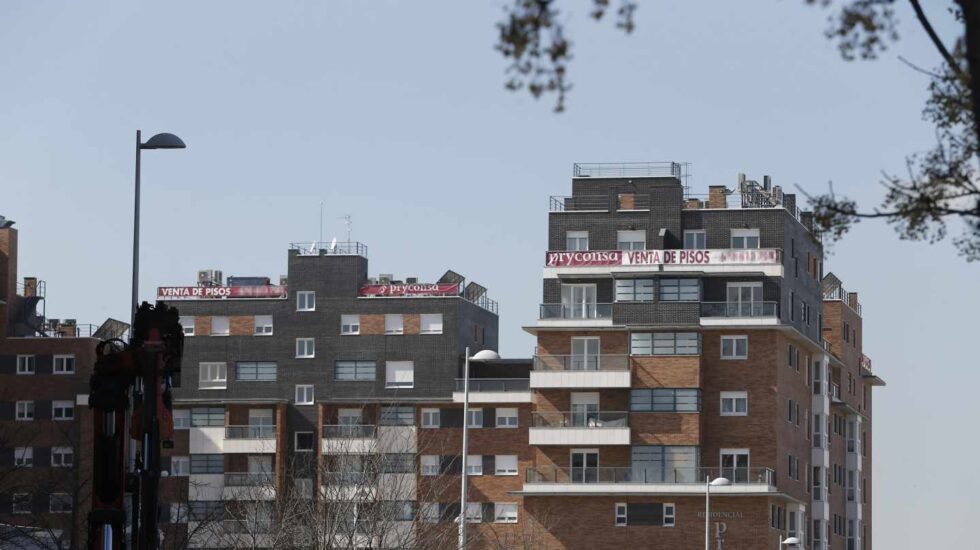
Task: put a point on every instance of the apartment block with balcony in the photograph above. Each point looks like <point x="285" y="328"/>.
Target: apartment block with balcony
<point x="680" y="339"/>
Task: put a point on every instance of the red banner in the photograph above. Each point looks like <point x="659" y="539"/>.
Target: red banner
<point x="414" y="289"/>
<point x="587" y="258"/>
<point x="219" y="292"/>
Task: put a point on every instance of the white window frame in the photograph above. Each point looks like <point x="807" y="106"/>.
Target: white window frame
<point x="24" y="457"/>
<point x="305" y="300"/>
<point x="20" y="496"/>
<point x="620" y="514"/>
<point x="429" y="512"/>
<point x="309" y="348"/>
<point x="735" y="355"/>
<point x="182" y="419"/>
<point x="350" y="324"/>
<point x="300" y="394"/>
<point x="180" y="466"/>
<point x="393" y="328"/>
<point x="472" y="517"/>
<point x="474" y="465"/>
<point x="64" y="360"/>
<point x="734" y="397"/>
<point x="474" y="414"/>
<point x="28" y="412"/>
<point x="502" y="512"/>
<point x="296" y="442"/>
<point x="26" y="364"/>
<point x="745" y="234"/>
<point x="61" y="453"/>
<point x="505" y="460"/>
<point x="509" y="420"/>
<point x="213" y="375"/>
<point x="429" y="465"/>
<point x="263" y="325"/>
<point x="431" y="320"/>
<point x="430" y="417"/>
<point x="577" y="237"/>
<point x="63" y="405"/>
<point x="225" y="320"/>
<point x="669" y="518"/>
<point x="629" y="236"/>
<point x="187" y="324"/>
<point x="52" y="499"/>
<point x="396" y="377"/>
<point x="695" y="233"/>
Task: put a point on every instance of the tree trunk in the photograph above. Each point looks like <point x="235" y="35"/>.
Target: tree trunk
<point x="971" y="18"/>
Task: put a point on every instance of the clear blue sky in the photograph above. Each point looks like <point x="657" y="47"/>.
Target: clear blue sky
<point x="394" y="113"/>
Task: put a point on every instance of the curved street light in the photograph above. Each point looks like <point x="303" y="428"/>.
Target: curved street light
<point x="482" y="355"/>
<point x="708" y="484"/>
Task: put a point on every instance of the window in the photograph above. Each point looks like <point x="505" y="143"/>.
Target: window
<point x="430" y="418"/>
<point x="734" y="347"/>
<point x="62" y="457"/>
<point x="303" y="442"/>
<point x="304" y="394"/>
<point x="64" y="364"/>
<point x="505" y="465"/>
<point x="207" y="416"/>
<point x="665" y="463"/>
<point x="187" y="322"/>
<point x="263" y="325"/>
<point x="203" y="510"/>
<point x="474" y="512"/>
<point x="576" y="240"/>
<point x="59" y="503"/>
<point x="634" y="290"/>
<point x="430" y="465"/>
<point x="506" y="417"/>
<point x="669" y="515"/>
<point x="474" y="465"/>
<point x="62" y="410"/>
<point x="394" y="324"/>
<point x="734" y="403"/>
<point x="208" y="464"/>
<point x="25" y="410"/>
<point x="474" y="418"/>
<point x="431" y="323"/>
<point x="397" y="463"/>
<point x="306" y="300"/>
<point x="25" y="364"/>
<point x="665" y="400"/>
<point x="305" y="348"/>
<point x="180" y="465"/>
<point x="24" y="457"/>
<point x="354" y="370"/>
<point x="214" y="376"/>
<point x="182" y="419"/>
<point x="22" y="503"/>
<point x="695" y="239"/>
<point x="220" y="326"/>
<point x="400" y="374"/>
<point x="680" y="290"/>
<point x="665" y="343"/>
<point x="621" y="514"/>
<point x="817" y="483"/>
<point x="429" y="511"/>
<point x="631" y="240"/>
<point x="251" y="371"/>
<point x="745" y="238"/>
<point x="350" y="324"/>
<point x="505" y="512"/>
<point x="397" y="415"/>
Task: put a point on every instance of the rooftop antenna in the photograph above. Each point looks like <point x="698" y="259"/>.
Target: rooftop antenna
<point x="348" y="223"/>
<point x="321" y="221"/>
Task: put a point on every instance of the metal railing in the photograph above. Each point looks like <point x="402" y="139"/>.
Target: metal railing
<point x="558" y="203"/>
<point x="349" y="431"/>
<point x="495" y="384"/>
<point x="739" y="309"/>
<point x="484" y="302"/>
<point x="865" y="362"/>
<point x="250" y="480"/>
<point x="250" y="432"/>
<point x="581" y="362"/>
<point x="664" y="169"/>
<point x="328" y="249"/>
<point x="580" y="419"/>
<point x="348" y="479"/>
<point x="840" y="294"/>
<point x="577" y="311"/>
<point x="639" y="475"/>
<point x="240" y="526"/>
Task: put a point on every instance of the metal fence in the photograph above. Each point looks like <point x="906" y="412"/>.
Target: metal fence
<point x="580" y="419"/>
<point x="640" y="475"/>
<point x="581" y="362"/>
<point x="495" y="384"/>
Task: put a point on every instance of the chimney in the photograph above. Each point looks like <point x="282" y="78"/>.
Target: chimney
<point x="8" y="264"/>
<point x="717" y="196"/>
<point x="692" y="204"/>
<point x="852" y="300"/>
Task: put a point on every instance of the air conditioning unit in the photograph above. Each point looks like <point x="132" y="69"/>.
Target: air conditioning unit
<point x="385" y="278"/>
<point x="70" y="322"/>
<point x="209" y="277"/>
<point x="411" y="280"/>
<point x="53" y="323"/>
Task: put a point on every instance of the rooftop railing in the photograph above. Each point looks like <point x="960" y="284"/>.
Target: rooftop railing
<point x="640" y="475"/>
<point x="580" y="419"/>
<point x="581" y="362"/>
<point x="840" y="294"/>
<point x="577" y="311"/>
<point x="349" y="431"/>
<point x="315" y="248"/>
<point x="250" y="432"/>
<point x="495" y="384"/>
<point x="627" y="170"/>
<point x="865" y="362"/>
<point x="739" y="309"/>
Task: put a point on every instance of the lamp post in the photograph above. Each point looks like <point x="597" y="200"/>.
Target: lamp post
<point x="484" y="355"/>
<point x="792" y="541"/>
<point x="708" y="484"/>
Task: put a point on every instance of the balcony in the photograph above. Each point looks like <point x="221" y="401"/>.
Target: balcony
<point x="739" y="313"/>
<point x="249" y="486"/>
<point x="495" y="390"/>
<point x="349" y="439"/>
<point x="581" y="371"/>
<point x="580" y="428"/>
<point x="250" y="439"/>
<point x="585" y="314"/>
<point x="605" y="263"/>
<point x="552" y="480"/>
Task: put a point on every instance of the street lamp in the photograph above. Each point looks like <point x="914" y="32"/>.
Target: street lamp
<point x="708" y="484"/>
<point x="792" y="541"/>
<point x="483" y="355"/>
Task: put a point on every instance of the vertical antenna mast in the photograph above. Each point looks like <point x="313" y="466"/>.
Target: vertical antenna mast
<point x="348" y="223"/>
<point x="321" y="221"/>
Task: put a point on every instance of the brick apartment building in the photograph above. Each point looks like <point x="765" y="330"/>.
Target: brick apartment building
<point x="45" y="427"/>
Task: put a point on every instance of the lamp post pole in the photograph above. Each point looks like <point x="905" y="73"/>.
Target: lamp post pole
<point x="707" y="509"/>
<point x="466" y="449"/>
<point x="136" y="238"/>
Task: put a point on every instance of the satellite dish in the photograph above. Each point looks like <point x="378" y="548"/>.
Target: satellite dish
<point x="312" y="251"/>
<point x="333" y="244"/>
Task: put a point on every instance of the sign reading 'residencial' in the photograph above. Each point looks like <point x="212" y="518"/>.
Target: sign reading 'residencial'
<point x="587" y="258"/>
